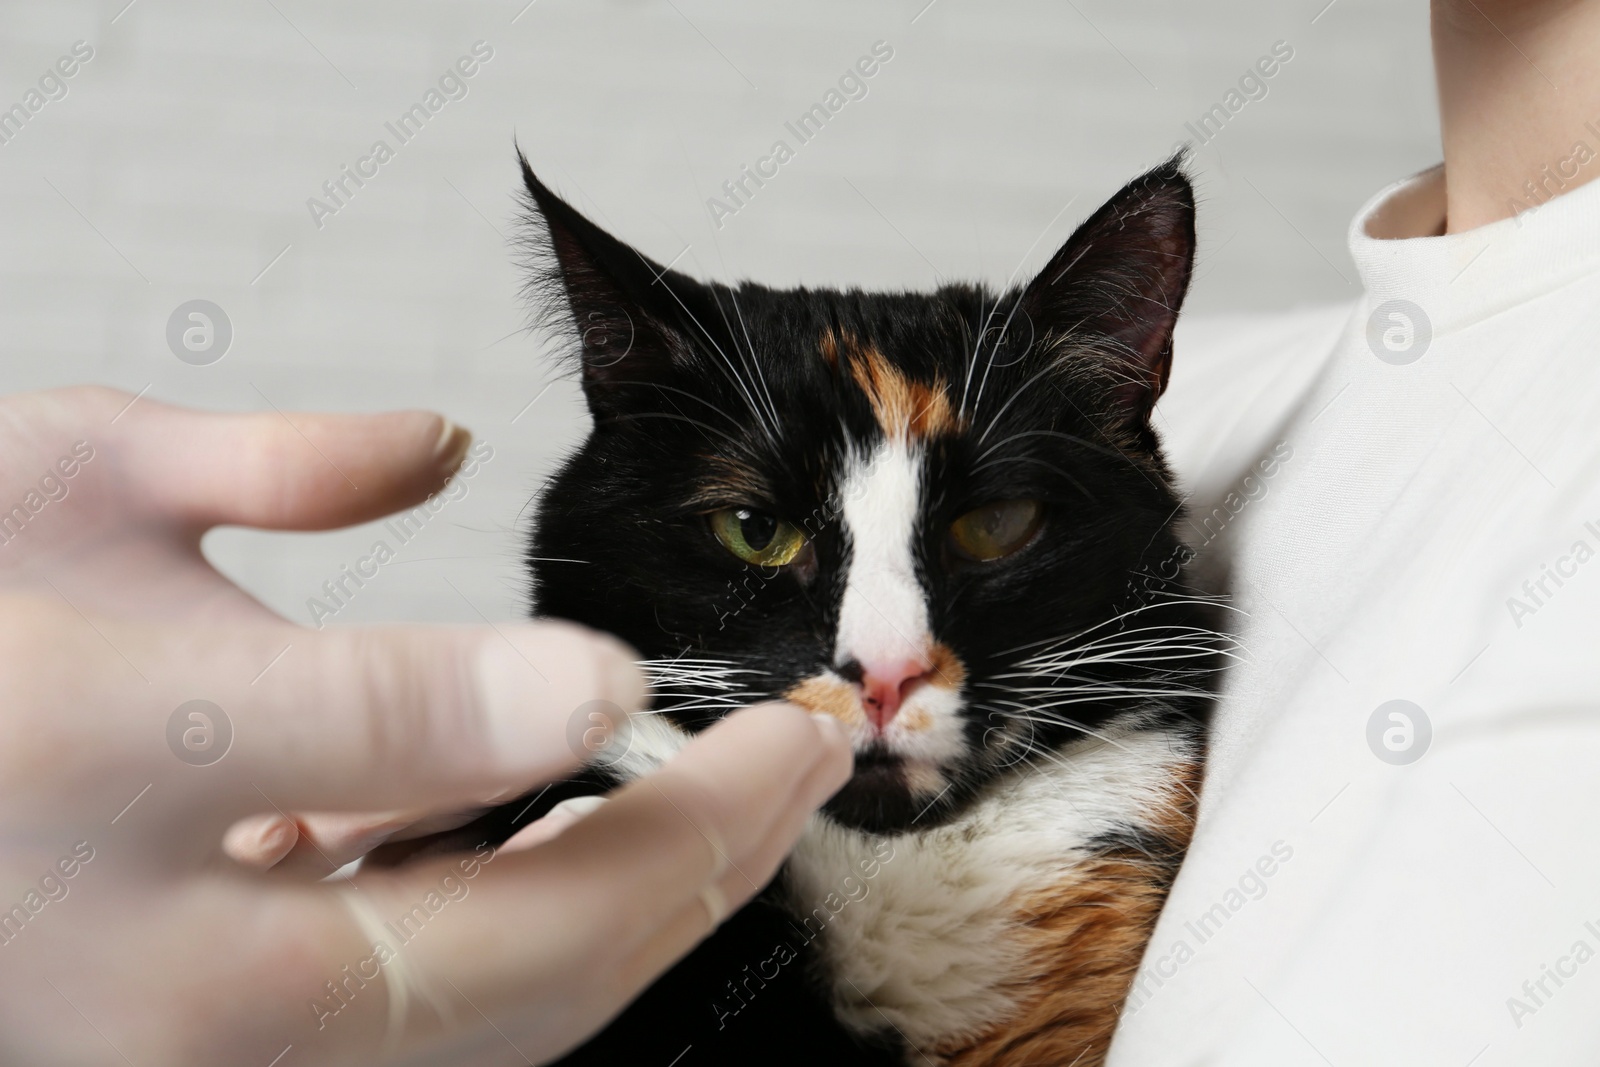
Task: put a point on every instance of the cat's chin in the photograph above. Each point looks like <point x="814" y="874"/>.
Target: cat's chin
<point x="879" y="798"/>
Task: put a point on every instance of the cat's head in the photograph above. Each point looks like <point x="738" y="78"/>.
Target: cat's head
<point x="942" y="518"/>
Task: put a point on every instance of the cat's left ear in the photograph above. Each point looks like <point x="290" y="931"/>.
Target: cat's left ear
<point x="1116" y="286"/>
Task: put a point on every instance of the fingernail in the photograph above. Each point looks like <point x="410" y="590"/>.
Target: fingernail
<point x="451" y="448"/>
<point x="276" y="833"/>
<point x="260" y="840"/>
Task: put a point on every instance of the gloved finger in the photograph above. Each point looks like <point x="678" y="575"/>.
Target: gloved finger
<point x="280" y="470"/>
<point x="366" y="720"/>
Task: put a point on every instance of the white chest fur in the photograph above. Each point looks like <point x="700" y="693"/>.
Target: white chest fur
<point x="919" y="931"/>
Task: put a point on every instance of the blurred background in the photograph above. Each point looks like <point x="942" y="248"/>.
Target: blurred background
<point x="186" y="160"/>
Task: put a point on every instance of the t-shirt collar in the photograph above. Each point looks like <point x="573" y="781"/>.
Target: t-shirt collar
<point x="1461" y="278"/>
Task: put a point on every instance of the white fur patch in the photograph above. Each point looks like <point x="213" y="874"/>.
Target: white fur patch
<point x="652" y="740"/>
<point x="884" y="613"/>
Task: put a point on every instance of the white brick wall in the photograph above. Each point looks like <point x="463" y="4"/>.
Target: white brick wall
<point x="194" y="137"/>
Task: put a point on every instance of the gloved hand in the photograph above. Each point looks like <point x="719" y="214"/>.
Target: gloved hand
<point x="128" y="933"/>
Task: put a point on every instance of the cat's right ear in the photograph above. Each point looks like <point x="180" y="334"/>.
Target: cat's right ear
<point x="1113" y="291"/>
<point x="634" y="319"/>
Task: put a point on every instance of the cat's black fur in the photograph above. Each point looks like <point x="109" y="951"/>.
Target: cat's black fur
<point x="688" y="382"/>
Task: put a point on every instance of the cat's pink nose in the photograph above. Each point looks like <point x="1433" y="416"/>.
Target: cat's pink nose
<point x="885" y="686"/>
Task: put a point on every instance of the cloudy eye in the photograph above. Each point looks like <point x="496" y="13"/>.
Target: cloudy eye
<point x="757" y="537"/>
<point x="995" y="530"/>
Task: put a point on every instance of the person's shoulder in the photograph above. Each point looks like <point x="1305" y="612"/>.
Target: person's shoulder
<point x="1236" y="378"/>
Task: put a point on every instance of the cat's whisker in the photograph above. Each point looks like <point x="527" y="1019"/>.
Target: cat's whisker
<point x="696" y="685"/>
<point x="1177" y="651"/>
<point x="984" y="315"/>
<point x="689" y="691"/>
<point x="685" y="667"/>
<point x="1148" y="653"/>
<point x="700" y="683"/>
<point x="1174" y="600"/>
<point x="1160" y="640"/>
<point x="1158" y="666"/>
<point x="1176" y="655"/>
<point x="1187" y="680"/>
<point x="994" y="350"/>
<point x="679" y="417"/>
<point x="1179" y="663"/>
<point x="1144" y="686"/>
<point x="1029" y="756"/>
<point x="673" y="677"/>
<point x="696" y="397"/>
<point x="1176" y="676"/>
<point x="1092" y="696"/>
<point x="692" y="685"/>
<point x="1179" y="678"/>
<point x="769" y="428"/>
<point x="1050" y="369"/>
<point x="698" y="674"/>
<point x="699" y="669"/>
<point x="1069" y="724"/>
<point x="747" y="358"/>
<point x="761" y="375"/>
<point x="683" y="708"/>
<point x="1179" y="658"/>
<point x="1046" y="433"/>
<point x="1217" y="643"/>
<point x="1042" y="463"/>
<point x="1005" y="290"/>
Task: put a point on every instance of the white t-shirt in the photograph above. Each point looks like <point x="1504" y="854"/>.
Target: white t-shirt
<point x="1414" y="516"/>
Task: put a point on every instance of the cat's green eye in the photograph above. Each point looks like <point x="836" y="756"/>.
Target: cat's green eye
<point x="757" y="537"/>
<point x="995" y="530"/>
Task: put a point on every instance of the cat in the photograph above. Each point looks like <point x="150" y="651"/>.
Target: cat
<point x="943" y="518"/>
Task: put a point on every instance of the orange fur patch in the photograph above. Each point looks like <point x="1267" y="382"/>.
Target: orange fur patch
<point x="904" y="408"/>
<point x="830" y="349"/>
<point x="831" y="697"/>
<point x="1085" y="938"/>
<point x="946" y="667"/>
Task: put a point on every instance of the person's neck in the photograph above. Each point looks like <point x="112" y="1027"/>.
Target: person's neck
<point x="1519" y="103"/>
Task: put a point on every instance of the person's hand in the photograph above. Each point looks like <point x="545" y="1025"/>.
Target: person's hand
<point x="128" y="935"/>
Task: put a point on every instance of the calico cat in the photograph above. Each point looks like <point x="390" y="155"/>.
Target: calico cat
<point x="944" y="519"/>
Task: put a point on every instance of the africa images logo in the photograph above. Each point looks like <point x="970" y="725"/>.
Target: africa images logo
<point x="1399" y="732"/>
<point x="1399" y="332"/>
